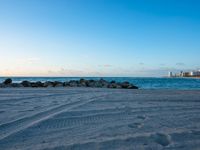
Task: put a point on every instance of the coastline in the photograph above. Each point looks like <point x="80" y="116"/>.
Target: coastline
<point x="141" y="82"/>
<point x="185" y="77"/>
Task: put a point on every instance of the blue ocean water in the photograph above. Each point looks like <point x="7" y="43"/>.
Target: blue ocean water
<point x="142" y="82"/>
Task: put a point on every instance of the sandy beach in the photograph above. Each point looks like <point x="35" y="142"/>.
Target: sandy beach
<point x="97" y="118"/>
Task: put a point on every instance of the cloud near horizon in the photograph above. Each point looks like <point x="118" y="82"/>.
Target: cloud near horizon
<point x="105" y="65"/>
<point x="36" y="66"/>
<point x="180" y="64"/>
<point x="114" y="72"/>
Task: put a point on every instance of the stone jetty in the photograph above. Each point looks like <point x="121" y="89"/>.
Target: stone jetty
<point x="72" y="83"/>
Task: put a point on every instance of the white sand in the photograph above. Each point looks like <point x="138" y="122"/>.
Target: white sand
<point x="89" y="119"/>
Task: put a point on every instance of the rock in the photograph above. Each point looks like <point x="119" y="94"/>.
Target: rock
<point x="57" y="84"/>
<point x="116" y="85"/>
<point x="8" y="81"/>
<point x="39" y="84"/>
<point x="90" y="83"/>
<point x="125" y="85"/>
<point x="112" y="82"/>
<point x="162" y="139"/>
<point x="104" y="83"/>
<point x="26" y="83"/>
<point x="34" y="84"/>
<point x="82" y="80"/>
<point x="113" y="85"/>
<point x="102" y="80"/>
<point x="53" y="84"/>
<point x="66" y="84"/>
<point x="73" y="83"/>
<point x="83" y="83"/>
<point x="98" y="84"/>
<point x="48" y="84"/>
<point x="86" y="83"/>
<point x="132" y="87"/>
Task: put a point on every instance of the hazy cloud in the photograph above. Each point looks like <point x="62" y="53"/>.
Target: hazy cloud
<point x="30" y="60"/>
<point x="74" y="72"/>
<point x="154" y="72"/>
<point x="105" y="65"/>
<point x="180" y="64"/>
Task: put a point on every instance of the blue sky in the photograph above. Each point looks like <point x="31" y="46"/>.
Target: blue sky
<point x="98" y="37"/>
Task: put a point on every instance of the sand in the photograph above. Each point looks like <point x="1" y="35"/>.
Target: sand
<point x="107" y="119"/>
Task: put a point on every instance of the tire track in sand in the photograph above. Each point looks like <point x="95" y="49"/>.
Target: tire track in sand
<point x="11" y="128"/>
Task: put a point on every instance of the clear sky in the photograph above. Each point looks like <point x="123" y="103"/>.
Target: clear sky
<point x="98" y="37"/>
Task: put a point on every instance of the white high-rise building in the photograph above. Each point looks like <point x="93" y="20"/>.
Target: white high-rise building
<point x="170" y="74"/>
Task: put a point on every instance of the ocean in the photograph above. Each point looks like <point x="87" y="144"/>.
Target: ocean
<point x="141" y="82"/>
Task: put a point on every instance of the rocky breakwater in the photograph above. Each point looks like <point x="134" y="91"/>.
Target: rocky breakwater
<point x="73" y="83"/>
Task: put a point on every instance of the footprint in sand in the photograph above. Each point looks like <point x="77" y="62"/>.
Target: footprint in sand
<point x="161" y="138"/>
<point x="2" y="111"/>
<point x="136" y="125"/>
<point x="143" y="117"/>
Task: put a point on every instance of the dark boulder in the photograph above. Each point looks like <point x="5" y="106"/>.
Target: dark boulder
<point x="34" y="84"/>
<point x="90" y="83"/>
<point x="8" y="81"/>
<point x="26" y="83"/>
<point x="133" y="87"/>
<point x="40" y="84"/>
<point x="104" y="83"/>
<point x="112" y="82"/>
<point x="91" y="80"/>
<point x="48" y="84"/>
<point x="57" y="84"/>
<point x="82" y="83"/>
<point x="98" y="84"/>
<point x="37" y="84"/>
<point x="112" y="85"/>
<point x="82" y="80"/>
<point x="66" y="84"/>
<point x="93" y="83"/>
<point x="125" y="85"/>
<point x="73" y="83"/>
<point x="102" y="80"/>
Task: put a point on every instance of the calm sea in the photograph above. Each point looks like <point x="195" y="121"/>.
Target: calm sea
<point x="142" y="82"/>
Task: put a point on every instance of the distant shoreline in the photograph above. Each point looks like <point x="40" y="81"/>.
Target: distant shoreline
<point x="185" y="77"/>
<point x="163" y="82"/>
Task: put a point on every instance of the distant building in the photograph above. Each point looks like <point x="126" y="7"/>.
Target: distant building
<point x="185" y="74"/>
<point x="170" y="74"/>
<point x="195" y="73"/>
<point x="181" y="73"/>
